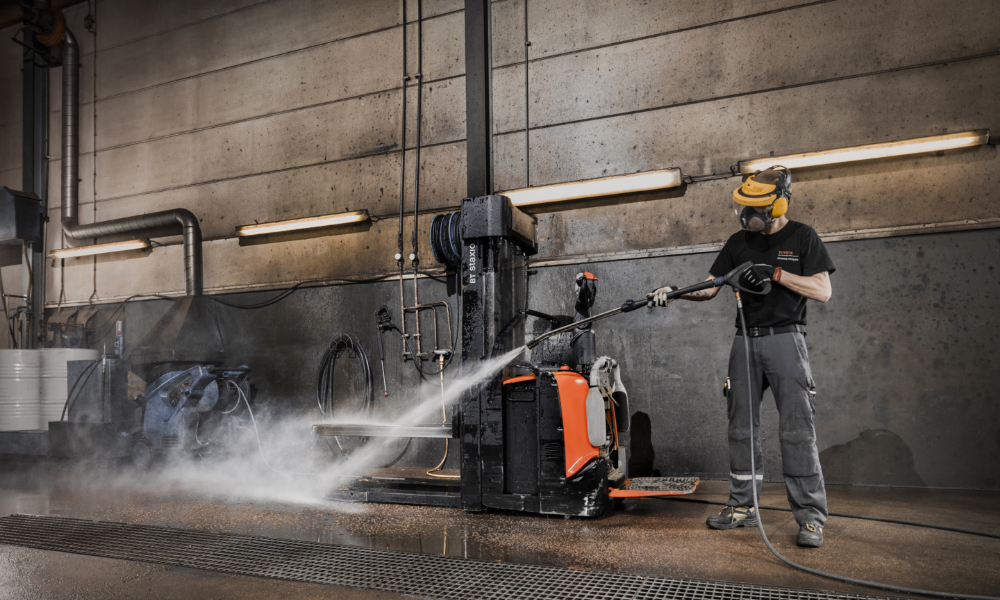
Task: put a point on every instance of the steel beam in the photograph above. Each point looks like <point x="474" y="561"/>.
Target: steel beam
<point x="35" y="96"/>
<point x="478" y="95"/>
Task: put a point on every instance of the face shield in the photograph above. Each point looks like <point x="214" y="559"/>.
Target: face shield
<point x="759" y="204"/>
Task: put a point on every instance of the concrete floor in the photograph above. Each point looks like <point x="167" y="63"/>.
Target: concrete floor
<point x="648" y="537"/>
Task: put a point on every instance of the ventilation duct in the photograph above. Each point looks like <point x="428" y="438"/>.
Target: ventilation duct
<point x="181" y="220"/>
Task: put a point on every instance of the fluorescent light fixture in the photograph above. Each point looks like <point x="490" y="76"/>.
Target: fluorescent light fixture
<point x="934" y="143"/>
<point x="99" y="249"/>
<point x="307" y="223"/>
<point x="591" y="188"/>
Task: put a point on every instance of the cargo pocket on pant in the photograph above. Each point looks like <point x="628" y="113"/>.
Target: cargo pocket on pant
<point x="806" y="409"/>
<point x="799" y="457"/>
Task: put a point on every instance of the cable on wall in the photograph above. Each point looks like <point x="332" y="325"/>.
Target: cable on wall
<point x="527" y="101"/>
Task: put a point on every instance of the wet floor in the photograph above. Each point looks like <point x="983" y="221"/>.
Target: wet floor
<point x="648" y="537"/>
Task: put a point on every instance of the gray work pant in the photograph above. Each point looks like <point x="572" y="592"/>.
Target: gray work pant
<point x="780" y="362"/>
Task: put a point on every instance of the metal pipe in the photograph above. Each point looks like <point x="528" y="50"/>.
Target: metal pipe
<point x="416" y="176"/>
<point x="415" y="258"/>
<point x="185" y="219"/>
<point x="416" y="316"/>
<point x="180" y="218"/>
<point x="70" y="131"/>
<point x="402" y="192"/>
<point x="433" y="306"/>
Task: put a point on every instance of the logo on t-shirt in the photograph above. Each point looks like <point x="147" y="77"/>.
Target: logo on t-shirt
<point x="787" y="255"/>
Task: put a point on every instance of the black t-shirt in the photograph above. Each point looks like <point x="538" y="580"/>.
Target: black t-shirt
<point x="796" y="249"/>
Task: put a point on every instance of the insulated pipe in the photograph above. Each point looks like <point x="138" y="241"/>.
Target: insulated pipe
<point x="70" y="133"/>
<point x="176" y="218"/>
<point x="185" y="219"/>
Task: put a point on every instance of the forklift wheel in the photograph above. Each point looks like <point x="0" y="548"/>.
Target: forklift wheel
<point x="142" y="454"/>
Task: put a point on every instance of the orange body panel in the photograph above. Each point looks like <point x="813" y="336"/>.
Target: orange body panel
<point x="573" y="390"/>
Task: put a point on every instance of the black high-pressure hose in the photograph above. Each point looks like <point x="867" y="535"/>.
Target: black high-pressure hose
<point x="83" y="378"/>
<point x="760" y="522"/>
<point x="328" y="364"/>
<point x="324" y="383"/>
<point x="848" y="516"/>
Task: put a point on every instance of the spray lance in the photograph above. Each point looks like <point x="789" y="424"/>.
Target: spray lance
<point x="743" y="278"/>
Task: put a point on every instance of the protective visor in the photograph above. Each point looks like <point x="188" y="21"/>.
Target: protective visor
<point x="754" y="193"/>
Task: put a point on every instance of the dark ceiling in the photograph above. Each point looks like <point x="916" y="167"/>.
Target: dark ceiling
<point x="11" y="13"/>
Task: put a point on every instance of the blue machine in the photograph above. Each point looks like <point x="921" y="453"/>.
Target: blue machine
<point x="184" y="410"/>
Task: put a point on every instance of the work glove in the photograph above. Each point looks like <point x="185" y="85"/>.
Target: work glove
<point x="767" y="272"/>
<point x="659" y="297"/>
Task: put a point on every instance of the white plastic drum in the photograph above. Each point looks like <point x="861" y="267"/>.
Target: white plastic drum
<point x="19" y="389"/>
<point x="54" y="386"/>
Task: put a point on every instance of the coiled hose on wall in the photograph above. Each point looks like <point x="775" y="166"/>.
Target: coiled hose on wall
<point x="325" y="386"/>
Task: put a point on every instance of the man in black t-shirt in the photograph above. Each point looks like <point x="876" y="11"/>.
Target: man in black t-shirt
<point x="792" y="256"/>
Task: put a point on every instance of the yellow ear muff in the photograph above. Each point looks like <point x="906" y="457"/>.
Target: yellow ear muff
<point x="779" y="208"/>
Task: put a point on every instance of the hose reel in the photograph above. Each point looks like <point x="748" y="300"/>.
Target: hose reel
<point x="446" y="238"/>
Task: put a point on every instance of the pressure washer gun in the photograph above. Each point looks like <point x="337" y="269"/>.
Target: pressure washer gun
<point x="743" y="278"/>
<point x="119" y="340"/>
<point x="383" y="323"/>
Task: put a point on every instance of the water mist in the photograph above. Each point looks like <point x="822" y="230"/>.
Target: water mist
<point x="283" y="461"/>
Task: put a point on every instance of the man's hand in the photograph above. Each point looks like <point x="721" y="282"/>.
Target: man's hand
<point x="767" y="272"/>
<point x="659" y="297"/>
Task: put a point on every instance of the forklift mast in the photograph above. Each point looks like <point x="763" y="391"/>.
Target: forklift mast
<point x="547" y="436"/>
<point x="497" y="239"/>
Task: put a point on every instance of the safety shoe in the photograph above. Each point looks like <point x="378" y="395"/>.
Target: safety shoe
<point x="810" y="535"/>
<point x="732" y="517"/>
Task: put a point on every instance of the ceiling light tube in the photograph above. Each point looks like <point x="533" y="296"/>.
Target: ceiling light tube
<point x="934" y="143"/>
<point x="307" y="223"/>
<point x="99" y="249"/>
<point x="592" y="188"/>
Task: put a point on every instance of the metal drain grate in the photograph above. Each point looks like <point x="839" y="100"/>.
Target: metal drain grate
<point x="400" y="572"/>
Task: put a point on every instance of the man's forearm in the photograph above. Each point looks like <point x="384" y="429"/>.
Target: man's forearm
<point x="816" y="287"/>
<point x="702" y="295"/>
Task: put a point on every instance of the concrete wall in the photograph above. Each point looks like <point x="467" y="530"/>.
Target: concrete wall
<point x="248" y="111"/>
<point x="898" y="356"/>
<point x="244" y="112"/>
<point x="625" y="86"/>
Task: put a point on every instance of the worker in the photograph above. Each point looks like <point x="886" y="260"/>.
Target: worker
<point x="793" y="258"/>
